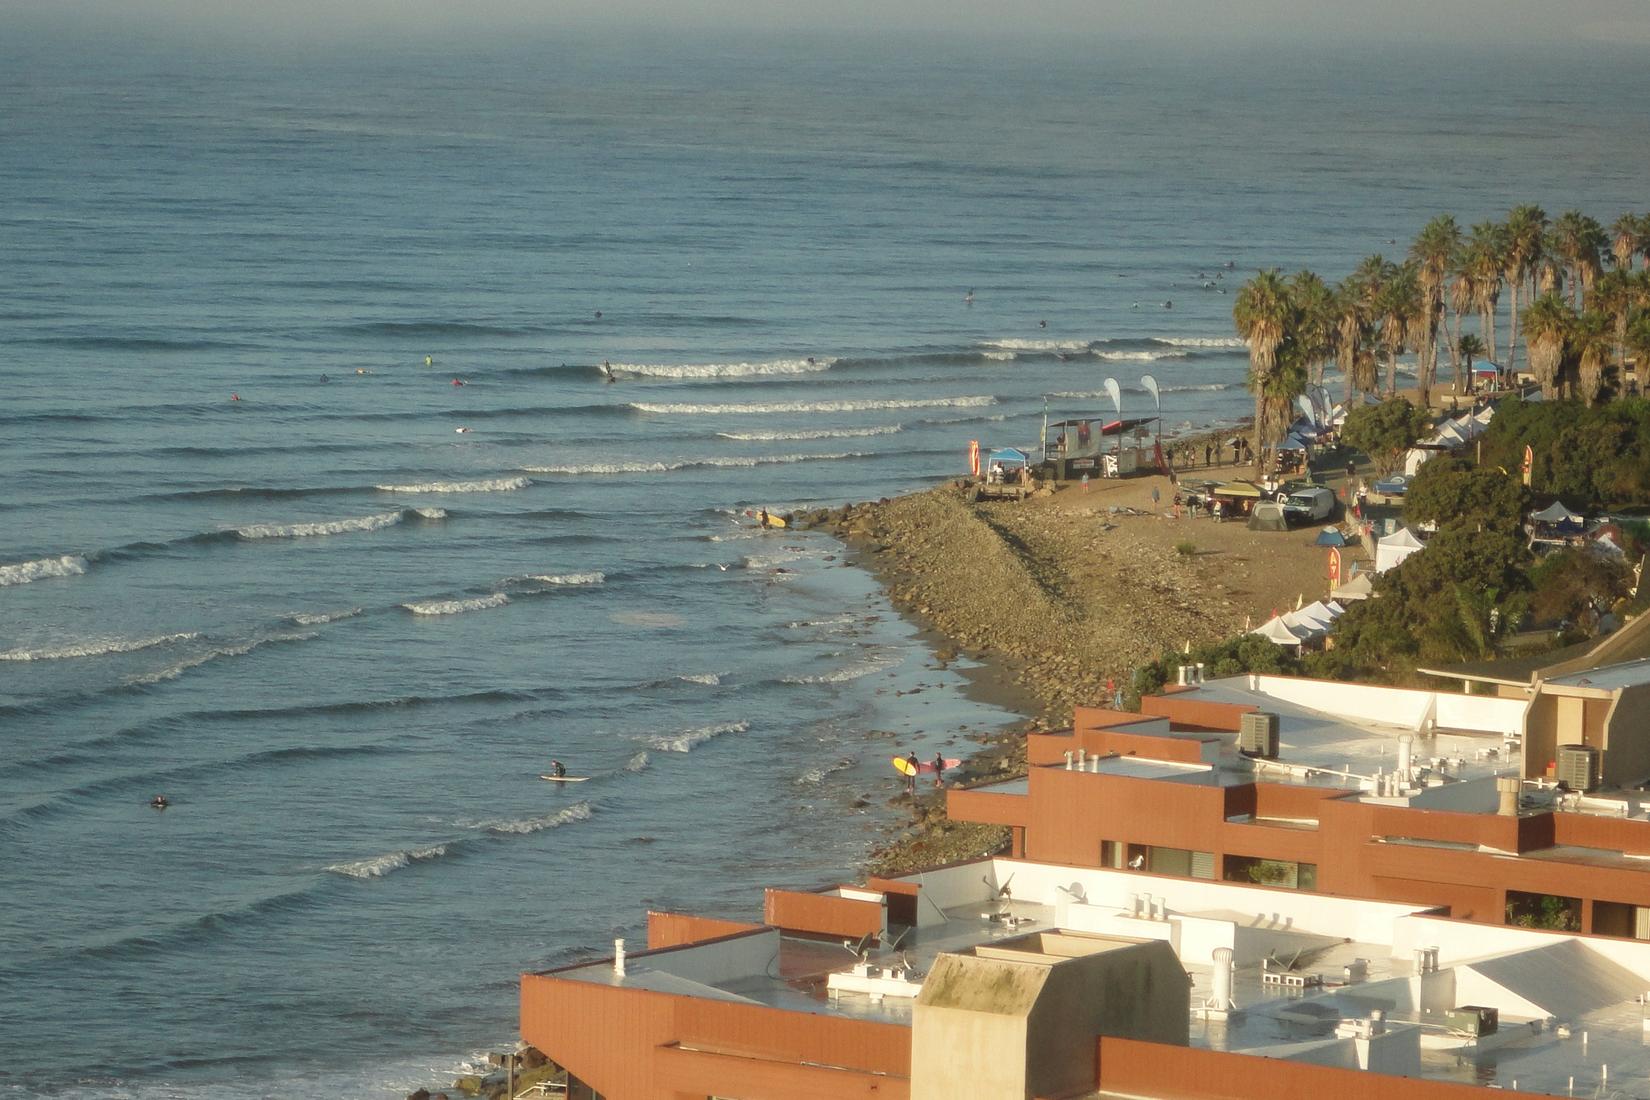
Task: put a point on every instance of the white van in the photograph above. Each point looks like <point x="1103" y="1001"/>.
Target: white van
<point x="1309" y="505"/>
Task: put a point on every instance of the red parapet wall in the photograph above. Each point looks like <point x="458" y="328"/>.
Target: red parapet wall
<point x="1090" y="719"/>
<point x="676" y="929"/>
<point x="1152" y="746"/>
<point x="1130" y="1067"/>
<point x="821" y="914"/>
<point x="1188" y="712"/>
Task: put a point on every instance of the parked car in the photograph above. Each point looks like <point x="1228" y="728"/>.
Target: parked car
<point x="1309" y="505"/>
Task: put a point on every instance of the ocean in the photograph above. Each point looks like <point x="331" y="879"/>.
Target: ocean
<point x="261" y="554"/>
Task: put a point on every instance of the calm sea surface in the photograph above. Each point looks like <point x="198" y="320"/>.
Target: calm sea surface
<point x="344" y="636"/>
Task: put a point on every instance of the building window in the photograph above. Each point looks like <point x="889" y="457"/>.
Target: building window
<point x="1112" y="854"/>
<point x="1554" y="912"/>
<point x="1271" y="872"/>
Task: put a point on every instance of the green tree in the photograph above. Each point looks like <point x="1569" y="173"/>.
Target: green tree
<point x="1525" y="243"/>
<point x="1385" y="431"/>
<point x="1591" y="341"/>
<point x="1547" y="325"/>
<point x="1625" y="232"/>
<point x="1432" y="253"/>
<point x="1453" y="491"/>
<point x="1263" y="314"/>
<point x="1469" y="347"/>
<point x="1482" y="259"/>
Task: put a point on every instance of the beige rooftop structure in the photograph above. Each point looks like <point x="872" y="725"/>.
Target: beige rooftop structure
<point x="1000" y="1022"/>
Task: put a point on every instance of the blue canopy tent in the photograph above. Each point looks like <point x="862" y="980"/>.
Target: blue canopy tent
<point x="1330" y="536"/>
<point x="1009" y="458"/>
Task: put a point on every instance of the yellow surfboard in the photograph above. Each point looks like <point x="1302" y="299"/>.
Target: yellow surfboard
<point x="903" y="766"/>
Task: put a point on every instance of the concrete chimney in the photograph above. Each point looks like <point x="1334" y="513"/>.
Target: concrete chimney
<point x="1082" y="760"/>
<point x="1507" y="787"/>
<point x="1406" y="757"/>
<point x="618" y="958"/>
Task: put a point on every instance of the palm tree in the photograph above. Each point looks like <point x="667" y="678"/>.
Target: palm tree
<point x="1352" y="335"/>
<point x="1526" y="227"/>
<point x="1638" y="341"/>
<point x="1432" y="254"/>
<point x="1624" y="243"/>
<point x="1590" y="341"/>
<point x="1579" y="241"/>
<point x="1316" y="308"/>
<point x="1483" y="259"/>
<point x="1614" y="296"/>
<point x="1469" y="348"/>
<point x="1547" y="325"/>
<point x="1263" y="315"/>
<point x="1462" y="294"/>
<point x="1398" y="306"/>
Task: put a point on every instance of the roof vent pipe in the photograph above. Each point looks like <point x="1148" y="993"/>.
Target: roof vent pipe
<point x="1200" y="672"/>
<point x="1068" y="761"/>
<point x="1406" y="755"/>
<point x="618" y="958"/>
<point x="1220" y="994"/>
<point x="1082" y="759"/>
<point x="1507" y="786"/>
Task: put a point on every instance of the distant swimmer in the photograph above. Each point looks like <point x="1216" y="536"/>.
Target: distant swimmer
<point x="1230" y="265"/>
<point x="968" y="299"/>
<point x="459" y="382"/>
<point x="1042" y="324"/>
<point x="325" y="380"/>
<point x="462" y="431"/>
<point x="598" y="315"/>
<point x="362" y="370"/>
<point x="234" y="397"/>
<point x="810" y="360"/>
<point x="1135" y="306"/>
<point x="160" y="802"/>
<point x="1062" y="356"/>
<point x="1168" y="305"/>
<point x="428" y="361"/>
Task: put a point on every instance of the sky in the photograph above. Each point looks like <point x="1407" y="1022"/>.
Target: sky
<point x="1209" y="23"/>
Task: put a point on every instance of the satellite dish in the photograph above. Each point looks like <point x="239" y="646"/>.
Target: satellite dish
<point x="862" y="949"/>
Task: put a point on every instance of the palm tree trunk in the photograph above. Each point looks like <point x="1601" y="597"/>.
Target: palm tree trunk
<point x="1512" y="337"/>
<point x="1392" y="370"/>
<point x="1455" y="354"/>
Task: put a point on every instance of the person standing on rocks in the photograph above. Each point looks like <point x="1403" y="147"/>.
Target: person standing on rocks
<point x="911" y="766"/>
<point x="939" y="769"/>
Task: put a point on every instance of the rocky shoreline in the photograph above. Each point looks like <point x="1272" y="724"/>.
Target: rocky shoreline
<point x="1055" y="600"/>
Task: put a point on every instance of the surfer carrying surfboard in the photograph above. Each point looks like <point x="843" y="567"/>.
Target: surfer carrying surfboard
<point x="911" y="773"/>
<point x="939" y="769"/>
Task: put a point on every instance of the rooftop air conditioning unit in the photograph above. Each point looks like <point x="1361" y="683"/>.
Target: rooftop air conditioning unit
<point x="1258" y="735"/>
<point x="1473" y="1020"/>
<point x="1578" y="766"/>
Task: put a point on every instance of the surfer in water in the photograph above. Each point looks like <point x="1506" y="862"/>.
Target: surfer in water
<point x="428" y="361"/>
<point x="458" y="382"/>
<point x="558" y="770"/>
<point x="160" y="802"/>
<point x="968" y="299"/>
<point x="607" y="372"/>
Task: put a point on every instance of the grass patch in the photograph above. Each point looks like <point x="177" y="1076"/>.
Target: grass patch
<point x="1185" y="549"/>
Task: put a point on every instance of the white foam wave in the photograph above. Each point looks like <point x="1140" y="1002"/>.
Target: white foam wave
<point x="689" y="739"/>
<point x="690" y="464"/>
<point x="1036" y="345"/>
<point x="813" y="433"/>
<point x="456" y="607"/>
<point x="815" y="776"/>
<point x="379" y="866"/>
<point x="66" y="565"/>
<point x="239" y="649"/>
<point x="492" y="485"/>
<point x="870" y="666"/>
<point x="767" y="407"/>
<point x="636" y="763"/>
<point x="316" y="618"/>
<point x="838" y="620"/>
<point x="577" y="812"/>
<point x="332" y="527"/>
<point x="710" y="679"/>
<point x="570" y="579"/>
<point x="1200" y="341"/>
<point x="94" y="647"/>
<point x="1137" y="356"/>
<point x="1001" y="356"/>
<point x="1202" y="387"/>
<point x="725" y="370"/>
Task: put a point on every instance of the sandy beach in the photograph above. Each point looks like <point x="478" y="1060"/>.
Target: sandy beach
<point x="1059" y="597"/>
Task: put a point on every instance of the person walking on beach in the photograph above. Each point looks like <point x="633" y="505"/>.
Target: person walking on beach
<point x="1156" y="496"/>
<point x="1208" y="454"/>
<point x="911" y="766"/>
<point x="939" y="770"/>
<point x="1216" y="511"/>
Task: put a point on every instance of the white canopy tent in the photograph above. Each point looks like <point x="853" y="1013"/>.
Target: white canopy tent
<point x="1393" y="549"/>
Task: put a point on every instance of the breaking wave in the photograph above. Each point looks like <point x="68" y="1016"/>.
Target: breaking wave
<point x="724" y="370"/>
<point x="709" y="679"/>
<point x="66" y="565"/>
<point x="456" y="607"/>
<point x="1036" y="345"/>
<point x="577" y="812"/>
<point x="94" y="647"/>
<point x="316" y="618"/>
<point x="870" y="666"/>
<point x="338" y="526"/>
<point x="1001" y="356"/>
<point x="637" y="763"/>
<point x="379" y="866"/>
<point x="493" y="485"/>
<point x="570" y="579"/>
<point x="689" y="464"/>
<point x="813" y="433"/>
<point x="690" y="739"/>
<point x="764" y="407"/>
<point x="1132" y="356"/>
<point x="1200" y="341"/>
<point x="239" y="649"/>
